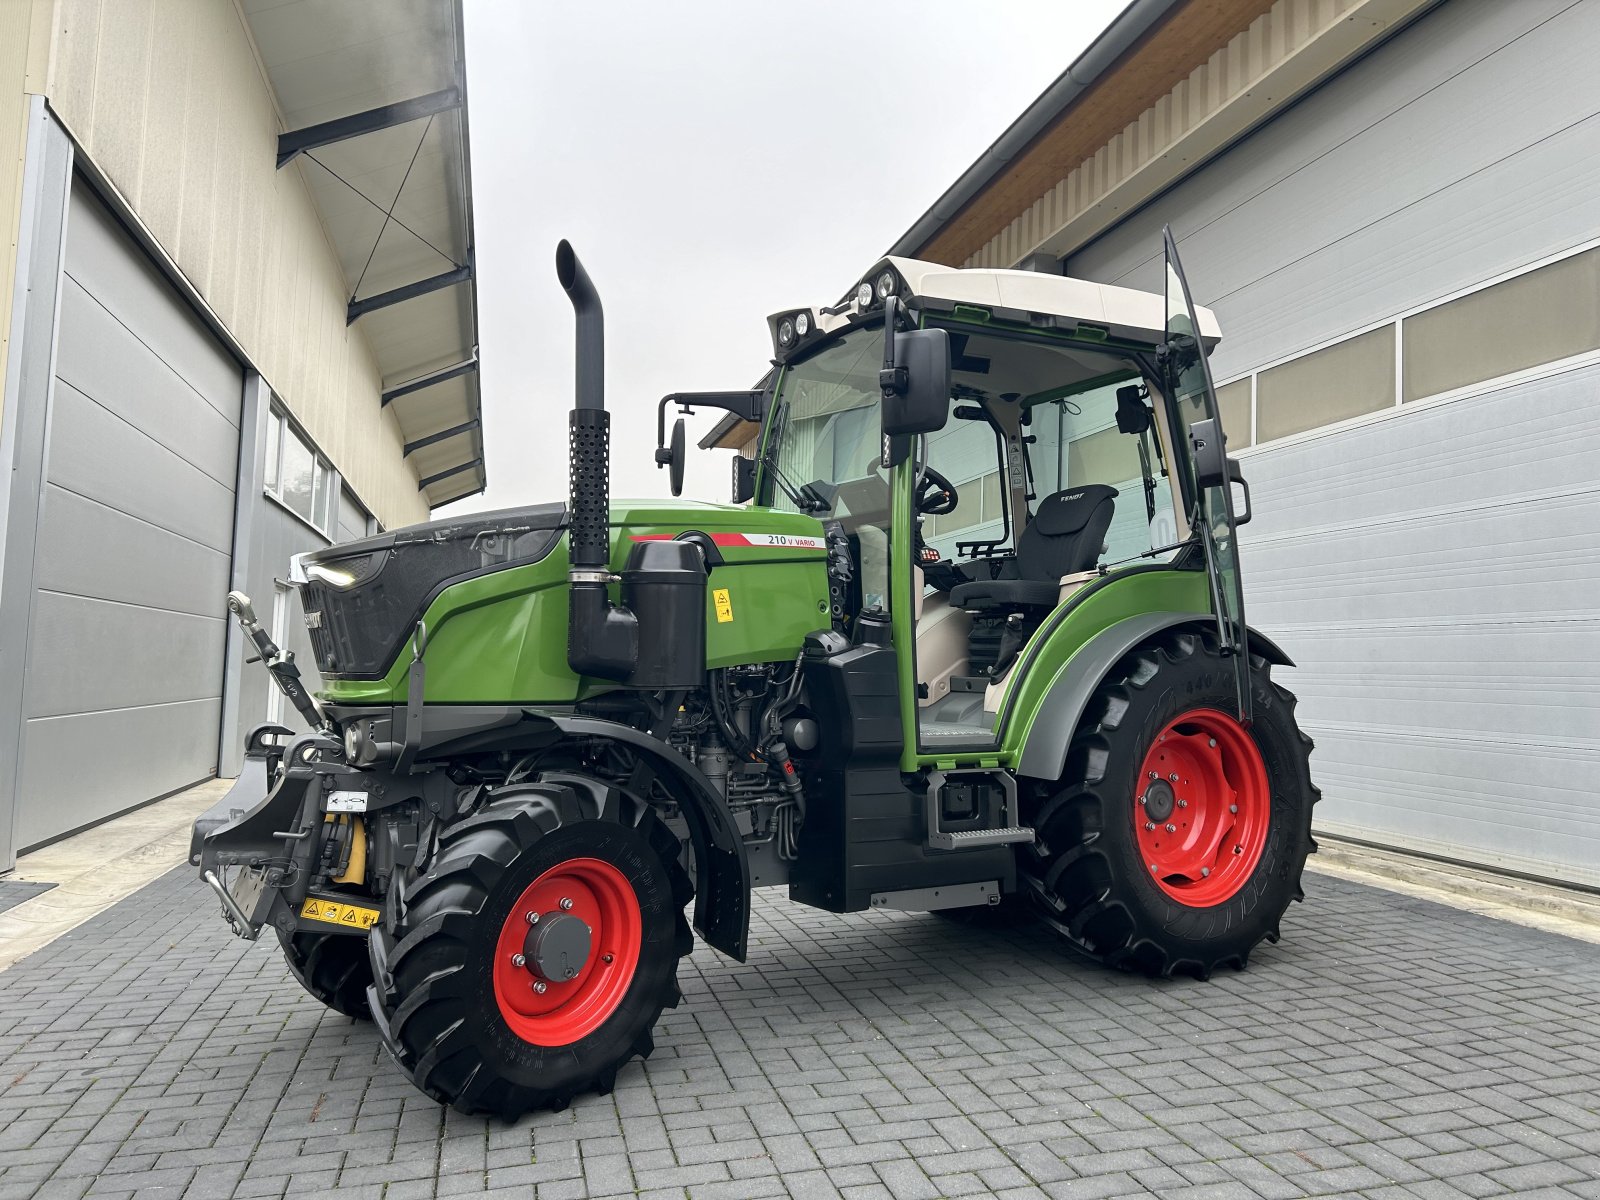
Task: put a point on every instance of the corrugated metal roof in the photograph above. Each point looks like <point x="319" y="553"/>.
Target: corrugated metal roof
<point x="372" y="96"/>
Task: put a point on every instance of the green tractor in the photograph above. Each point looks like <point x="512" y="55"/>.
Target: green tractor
<point x="978" y="642"/>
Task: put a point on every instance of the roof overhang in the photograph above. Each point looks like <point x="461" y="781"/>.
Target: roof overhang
<point x="1169" y="85"/>
<point x="373" y="99"/>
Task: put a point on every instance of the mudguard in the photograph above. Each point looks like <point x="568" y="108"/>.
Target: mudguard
<point x="1044" y="753"/>
<point x="722" y="884"/>
<point x="246" y="825"/>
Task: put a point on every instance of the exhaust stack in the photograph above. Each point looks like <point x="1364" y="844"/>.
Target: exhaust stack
<point x="602" y="638"/>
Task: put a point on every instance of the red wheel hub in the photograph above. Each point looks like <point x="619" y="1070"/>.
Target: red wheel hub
<point x="567" y="952"/>
<point x="1202" y="808"/>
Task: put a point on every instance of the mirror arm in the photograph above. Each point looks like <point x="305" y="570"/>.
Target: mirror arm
<point x="892" y="379"/>
<point x="663" y="455"/>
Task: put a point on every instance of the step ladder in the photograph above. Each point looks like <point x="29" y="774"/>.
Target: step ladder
<point x="1005" y="834"/>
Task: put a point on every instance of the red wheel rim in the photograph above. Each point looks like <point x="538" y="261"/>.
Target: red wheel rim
<point x="1202" y="807"/>
<point x="568" y="1009"/>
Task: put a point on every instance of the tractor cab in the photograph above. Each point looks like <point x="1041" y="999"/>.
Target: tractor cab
<point x="1057" y="461"/>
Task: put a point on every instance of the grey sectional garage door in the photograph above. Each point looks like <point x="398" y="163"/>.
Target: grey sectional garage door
<point x="125" y="646"/>
<point x="1435" y="572"/>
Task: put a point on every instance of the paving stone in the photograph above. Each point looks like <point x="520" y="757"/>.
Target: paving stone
<point x="1387" y="1047"/>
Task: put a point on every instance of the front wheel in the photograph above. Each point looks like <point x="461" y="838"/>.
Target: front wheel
<point x="536" y="949"/>
<point x="1176" y="837"/>
<point x="332" y="967"/>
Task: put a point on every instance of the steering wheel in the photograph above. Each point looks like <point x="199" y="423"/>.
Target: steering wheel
<point x="935" y="494"/>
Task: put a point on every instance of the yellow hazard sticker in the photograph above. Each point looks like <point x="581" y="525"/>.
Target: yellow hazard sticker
<point x="332" y="912"/>
<point x="724" y="605"/>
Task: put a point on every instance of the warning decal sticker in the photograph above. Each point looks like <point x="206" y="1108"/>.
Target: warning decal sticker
<point x="724" y="605"/>
<point x="332" y="912"/>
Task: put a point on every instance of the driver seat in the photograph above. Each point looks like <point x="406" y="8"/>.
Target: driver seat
<point x="1067" y="535"/>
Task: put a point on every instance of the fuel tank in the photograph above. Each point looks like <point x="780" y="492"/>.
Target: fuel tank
<point x="490" y="592"/>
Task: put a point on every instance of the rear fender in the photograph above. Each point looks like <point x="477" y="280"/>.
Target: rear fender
<point x="1044" y="752"/>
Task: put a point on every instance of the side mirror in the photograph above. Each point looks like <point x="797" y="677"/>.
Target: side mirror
<point x="1212" y="466"/>
<point x="675" y="459"/>
<point x="915" y="378"/>
<point x="744" y="479"/>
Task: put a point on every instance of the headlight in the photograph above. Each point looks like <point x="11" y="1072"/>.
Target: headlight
<point x="334" y="577"/>
<point x="786" y="333"/>
<point x="802" y="323"/>
<point x="358" y="747"/>
<point x="864" y="295"/>
<point x="885" y="285"/>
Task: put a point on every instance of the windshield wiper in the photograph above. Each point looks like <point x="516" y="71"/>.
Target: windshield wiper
<point x="803" y="498"/>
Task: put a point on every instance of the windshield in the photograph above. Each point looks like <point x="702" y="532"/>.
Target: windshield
<point x="825" y="428"/>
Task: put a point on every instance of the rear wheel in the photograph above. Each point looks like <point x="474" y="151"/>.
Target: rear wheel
<point x="536" y="949"/>
<point x="333" y="967"/>
<point x="1175" y="840"/>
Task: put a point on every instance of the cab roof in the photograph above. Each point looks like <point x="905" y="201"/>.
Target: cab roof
<point x="1027" y="297"/>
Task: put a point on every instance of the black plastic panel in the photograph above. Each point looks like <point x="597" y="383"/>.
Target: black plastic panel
<point x="362" y="627"/>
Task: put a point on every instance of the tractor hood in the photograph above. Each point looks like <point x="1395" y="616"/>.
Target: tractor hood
<point x="363" y="599"/>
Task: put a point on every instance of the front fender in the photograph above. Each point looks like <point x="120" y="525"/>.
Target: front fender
<point x="1044" y="752"/>
<point x="722" y="886"/>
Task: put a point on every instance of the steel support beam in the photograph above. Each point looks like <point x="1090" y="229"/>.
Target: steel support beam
<point x="296" y="142"/>
<point x="427" y="381"/>
<point x="477" y="491"/>
<point x="424" y="484"/>
<point x="443" y="435"/>
<point x="360" y="308"/>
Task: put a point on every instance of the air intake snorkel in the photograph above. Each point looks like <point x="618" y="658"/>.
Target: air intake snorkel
<point x="602" y="638"/>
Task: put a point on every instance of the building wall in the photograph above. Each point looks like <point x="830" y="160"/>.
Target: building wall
<point x="24" y="44"/>
<point x="167" y="100"/>
<point x="1429" y="560"/>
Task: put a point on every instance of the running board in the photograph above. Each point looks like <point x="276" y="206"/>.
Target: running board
<point x="1006" y="834"/>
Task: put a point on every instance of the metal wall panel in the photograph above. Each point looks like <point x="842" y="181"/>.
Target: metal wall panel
<point x="1467" y="146"/>
<point x="24" y="413"/>
<point x="197" y="162"/>
<point x="1433" y="570"/>
<point x="135" y="531"/>
<point x="276" y="537"/>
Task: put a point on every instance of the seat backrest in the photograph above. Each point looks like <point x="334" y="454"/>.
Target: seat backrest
<point x="1067" y="533"/>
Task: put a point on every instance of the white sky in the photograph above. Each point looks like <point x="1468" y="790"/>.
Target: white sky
<point x="711" y="163"/>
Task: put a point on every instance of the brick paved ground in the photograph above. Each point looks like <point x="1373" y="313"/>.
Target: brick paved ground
<point x="1388" y="1048"/>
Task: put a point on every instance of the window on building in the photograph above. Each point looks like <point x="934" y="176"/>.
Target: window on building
<point x="981" y="504"/>
<point x="298" y="476"/>
<point x="1544" y="316"/>
<point x="1233" y="402"/>
<point x="1341" y="381"/>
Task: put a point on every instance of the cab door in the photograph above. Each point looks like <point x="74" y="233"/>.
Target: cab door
<point x="1187" y="377"/>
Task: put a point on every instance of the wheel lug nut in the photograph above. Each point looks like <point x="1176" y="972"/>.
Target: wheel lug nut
<point x="1183" y="804"/>
<point x="1233" y="808"/>
<point x="540" y="986"/>
<point x="533" y="917"/>
<point x="1149" y="826"/>
<point x="1205" y="872"/>
<point x="1212" y="742"/>
<point x="1153" y="775"/>
<point x="519" y="960"/>
<point x="605" y="958"/>
<point x="1174" y="778"/>
<point x="1172" y="829"/>
<point x="566" y="904"/>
